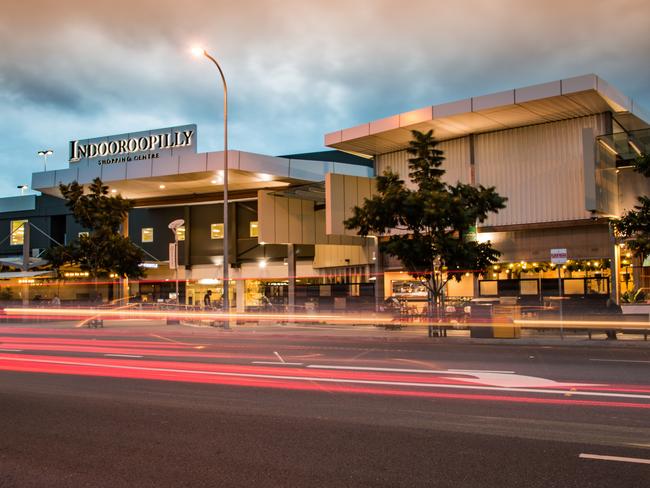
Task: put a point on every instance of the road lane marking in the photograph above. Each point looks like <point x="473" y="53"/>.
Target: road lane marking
<point x="329" y="380"/>
<point x="619" y="361"/>
<point x="11" y="350"/>
<point x="123" y="355"/>
<point x="278" y="356"/>
<point x="276" y="363"/>
<point x="614" y="458"/>
<point x="505" y="379"/>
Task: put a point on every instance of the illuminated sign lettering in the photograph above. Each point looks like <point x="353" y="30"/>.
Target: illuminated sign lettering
<point x="133" y="147"/>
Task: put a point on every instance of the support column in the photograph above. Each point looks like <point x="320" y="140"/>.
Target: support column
<point x="240" y="295"/>
<point x="291" y="271"/>
<point x="379" y="275"/>
<point x="614" y="264"/>
<point x="25" y="265"/>
<point x="124" y="292"/>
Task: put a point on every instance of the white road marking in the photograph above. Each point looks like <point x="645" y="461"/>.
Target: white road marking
<point x="278" y="356"/>
<point x="614" y="458"/>
<point x="328" y="380"/>
<point x="501" y="379"/>
<point x="123" y="355"/>
<point x="619" y="361"/>
<point x="276" y="363"/>
<point x="11" y="350"/>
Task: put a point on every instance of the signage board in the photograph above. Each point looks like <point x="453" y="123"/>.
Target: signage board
<point x="123" y="148"/>
<point x="558" y="256"/>
<point x="173" y="264"/>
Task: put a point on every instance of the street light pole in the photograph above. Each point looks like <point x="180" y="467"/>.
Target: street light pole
<point x="45" y="153"/>
<point x="226" y="281"/>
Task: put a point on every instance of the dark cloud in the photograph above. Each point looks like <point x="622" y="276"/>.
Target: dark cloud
<point x="296" y="69"/>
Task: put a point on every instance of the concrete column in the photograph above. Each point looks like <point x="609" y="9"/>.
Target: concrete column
<point x="240" y="297"/>
<point x="291" y="272"/>
<point x="25" y="265"/>
<point x="124" y="292"/>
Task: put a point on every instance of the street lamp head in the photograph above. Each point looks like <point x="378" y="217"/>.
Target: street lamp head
<point x="197" y="51"/>
<point x="45" y="152"/>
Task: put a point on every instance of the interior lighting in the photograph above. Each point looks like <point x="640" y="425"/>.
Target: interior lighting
<point x="608" y="147"/>
<point x="264" y="176"/>
<point x="262" y="263"/>
<point x="113" y="190"/>
<point x="635" y="147"/>
<point x="162" y="187"/>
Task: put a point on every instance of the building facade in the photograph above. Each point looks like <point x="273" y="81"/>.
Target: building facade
<point x="560" y="151"/>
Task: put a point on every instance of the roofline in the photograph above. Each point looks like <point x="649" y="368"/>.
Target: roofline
<point x="614" y="99"/>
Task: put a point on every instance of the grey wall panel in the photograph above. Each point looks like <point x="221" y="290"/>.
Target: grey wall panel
<point x="113" y="172"/>
<point x="539" y="168"/>
<point x="138" y="169"/>
<point x="166" y="165"/>
<point x="88" y="172"/>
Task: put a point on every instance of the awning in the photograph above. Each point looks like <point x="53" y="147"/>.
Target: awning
<point x="24" y="274"/>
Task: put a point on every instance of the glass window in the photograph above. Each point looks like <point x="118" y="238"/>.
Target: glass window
<point x="147" y="234"/>
<point x="254" y="229"/>
<point x="488" y="288"/>
<point x="180" y="233"/>
<point x="528" y="287"/>
<point x="17" y="232"/>
<point x="216" y="231"/>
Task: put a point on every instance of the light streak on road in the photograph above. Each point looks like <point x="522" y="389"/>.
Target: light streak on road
<point x="375" y="383"/>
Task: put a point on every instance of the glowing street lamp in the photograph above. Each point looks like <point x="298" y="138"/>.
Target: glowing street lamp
<point x="44" y="154"/>
<point x="198" y="52"/>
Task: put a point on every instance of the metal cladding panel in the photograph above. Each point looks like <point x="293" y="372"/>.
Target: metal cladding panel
<point x="88" y="172"/>
<point x="456" y="164"/>
<point x="539" y="168"/>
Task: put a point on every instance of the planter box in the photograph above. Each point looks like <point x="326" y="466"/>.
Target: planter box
<point x="635" y="308"/>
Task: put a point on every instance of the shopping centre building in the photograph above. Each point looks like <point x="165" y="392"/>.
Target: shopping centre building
<point x="560" y="151"/>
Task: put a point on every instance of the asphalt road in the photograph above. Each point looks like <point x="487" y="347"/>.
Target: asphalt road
<point x="170" y="406"/>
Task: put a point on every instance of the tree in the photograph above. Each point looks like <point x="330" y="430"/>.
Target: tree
<point x="435" y="222"/>
<point x="104" y="250"/>
<point x="634" y="226"/>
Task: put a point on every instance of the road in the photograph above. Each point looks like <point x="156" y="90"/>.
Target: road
<point x="140" y="405"/>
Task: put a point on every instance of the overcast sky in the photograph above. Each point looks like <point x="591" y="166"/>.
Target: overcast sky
<point x="74" y="69"/>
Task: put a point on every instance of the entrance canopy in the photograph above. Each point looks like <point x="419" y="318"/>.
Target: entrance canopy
<point x="188" y="174"/>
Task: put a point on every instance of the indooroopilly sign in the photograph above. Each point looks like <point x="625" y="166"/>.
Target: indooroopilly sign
<point x="133" y="147"/>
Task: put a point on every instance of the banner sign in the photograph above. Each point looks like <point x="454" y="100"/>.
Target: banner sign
<point x="173" y="264"/>
<point x="134" y="147"/>
<point x="558" y="256"/>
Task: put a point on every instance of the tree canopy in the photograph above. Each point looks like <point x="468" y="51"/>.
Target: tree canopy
<point x="634" y="226"/>
<point x="430" y="228"/>
<point x="104" y="250"/>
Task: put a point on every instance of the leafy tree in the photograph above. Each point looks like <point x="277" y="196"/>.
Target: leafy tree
<point x="104" y="250"/>
<point x="434" y="222"/>
<point x="634" y="226"/>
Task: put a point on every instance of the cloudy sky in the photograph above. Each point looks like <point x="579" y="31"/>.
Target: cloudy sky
<point x="296" y="69"/>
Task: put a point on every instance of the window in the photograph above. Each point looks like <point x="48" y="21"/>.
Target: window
<point x="180" y="233"/>
<point x="17" y="232"/>
<point x="216" y="231"/>
<point x="84" y="234"/>
<point x="147" y="234"/>
<point x="254" y="229"/>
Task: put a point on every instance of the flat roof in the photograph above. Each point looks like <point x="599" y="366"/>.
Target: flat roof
<point x="536" y="104"/>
